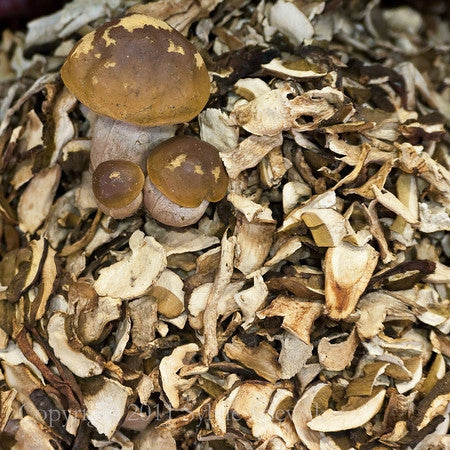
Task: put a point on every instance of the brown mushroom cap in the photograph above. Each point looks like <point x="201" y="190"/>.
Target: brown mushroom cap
<point x="117" y="183"/>
<point x="138" y="69"/>
<point x="187" y="171"/>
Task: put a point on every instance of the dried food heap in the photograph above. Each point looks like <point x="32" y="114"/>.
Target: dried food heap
<point x="307" y="309"/>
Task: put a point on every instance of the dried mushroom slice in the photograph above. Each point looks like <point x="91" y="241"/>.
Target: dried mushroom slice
<point x="347" y="273"/>
<point x="298" y="315"/>
<point x="144" y="316"/>
<point x="313" y="401"/>
<point x="251" y="401"/>
<point x="106" y="402"/>
<point x="364" y="385"/>
<point x="263" y="358"/>
<point x="172" y="383"/>
<point x="36" y="201"/>
<point x="293" y="355"/>
<point x="251" y="300"/>
<point x="327" y="226"/>
<point x="337" y="356"/>
<point x="32" y="434"/>
<point x="82" y="361"/>
<point x="375" y="308"/>
<point x="168" y="291"/>
<point x="330" y="420"/>
<point x="93" y="322"/>
<point x="435" y="403"/>
<point x="134" y="275"/>
<point x="298" y="69"/>
<point x="7" y="398"/>
<point x="249" y="153"/>
<point x="297" y="28"/>
<point x="253" y="242"/>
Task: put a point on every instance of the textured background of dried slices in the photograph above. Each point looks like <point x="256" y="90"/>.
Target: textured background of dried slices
<point x="308" y="309"/>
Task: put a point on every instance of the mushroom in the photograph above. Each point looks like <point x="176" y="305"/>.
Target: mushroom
<point x="141" y="77"/>
<point x="184" y="175"/>
<point x="117" y="186"/>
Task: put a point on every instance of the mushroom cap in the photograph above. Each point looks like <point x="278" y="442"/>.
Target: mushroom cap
<point x="138" y="69"/>
<point x="187" y="171"/>
<point x="117" y="183"/>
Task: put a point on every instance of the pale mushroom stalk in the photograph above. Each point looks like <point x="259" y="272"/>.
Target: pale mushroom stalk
<point x="168" y="212"/>
<point x="115" y="139"/>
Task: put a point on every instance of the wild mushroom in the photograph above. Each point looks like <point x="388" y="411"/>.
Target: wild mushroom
<point x="117" y="186"/>
<point x="141" y="76"/>
<point x="184" y="175"/>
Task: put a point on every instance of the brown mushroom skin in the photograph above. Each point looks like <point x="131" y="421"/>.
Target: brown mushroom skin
<point x="187" y="171"/>
<point x="169" y="213"/>
<point x="138" y="69"/>
<point x="117" y="187"/>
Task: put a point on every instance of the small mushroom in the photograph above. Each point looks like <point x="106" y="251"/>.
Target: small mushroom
<point x="141" y="76"/>
<point x="117" y="187"/>
<point x="184" y="175"/>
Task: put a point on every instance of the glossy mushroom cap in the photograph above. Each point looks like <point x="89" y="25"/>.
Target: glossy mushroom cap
<point x="138" y="69"/>
<point x="187" y="171"/>
<point x="117" y="186"/>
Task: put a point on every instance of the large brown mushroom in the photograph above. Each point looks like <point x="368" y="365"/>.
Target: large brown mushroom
<point x="184" y="175"/>
<point x="141" y="77"/>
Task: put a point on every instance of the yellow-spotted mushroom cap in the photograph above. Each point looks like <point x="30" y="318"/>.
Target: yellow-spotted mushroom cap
<point x="138" y="69"/>
<point x="187" y="171"/>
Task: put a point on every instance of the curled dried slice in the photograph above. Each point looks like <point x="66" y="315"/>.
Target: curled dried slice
<point x="331" y="420"/>
<point x="252" y="401"/>
<point x="168" y="291"/>
<point x="78" y="362"/>
<point x="298" y="69"/>
<point x="327" y="226"/>
<point x="311" y="400"/>
<point x="253" y="242"/>
<point x="298" y="315"/>
<point x="261" y="358"/>
<point x="133" y="276"/>
<point x="36" y="200"/>
<point x="172" y="383"/>
<point x="337" y="356"/>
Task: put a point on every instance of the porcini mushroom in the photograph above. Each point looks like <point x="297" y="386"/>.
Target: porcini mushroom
<point x="117" y="186"/>
<point x="141" y="76"/>
<point x="184" y="175"/>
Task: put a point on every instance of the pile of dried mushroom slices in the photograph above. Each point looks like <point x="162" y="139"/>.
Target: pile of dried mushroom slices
<point x="309" y="309"/>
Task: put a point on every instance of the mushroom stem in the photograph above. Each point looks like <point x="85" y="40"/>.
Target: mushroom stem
<point x="168" y="212"/>
<point x="114" y="139"/>
<point x="124" y="211"/>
